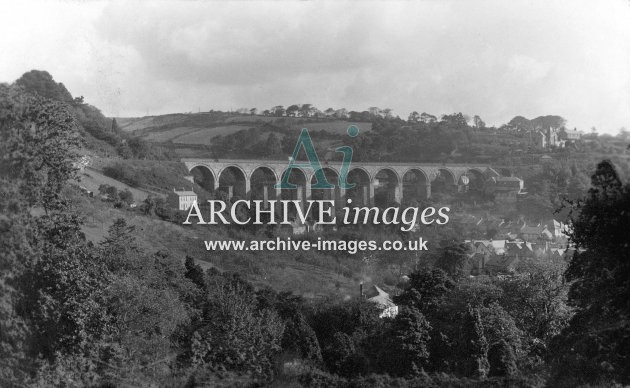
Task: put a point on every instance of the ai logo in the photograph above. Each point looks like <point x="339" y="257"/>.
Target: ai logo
<point x="313" y="162"/>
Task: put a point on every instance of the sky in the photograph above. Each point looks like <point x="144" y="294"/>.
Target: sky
<point x="495" y="58"/>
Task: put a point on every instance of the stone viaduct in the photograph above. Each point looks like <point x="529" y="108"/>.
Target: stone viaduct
<point x="256" y="179"/>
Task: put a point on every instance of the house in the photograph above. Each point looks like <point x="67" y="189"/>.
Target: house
<point x="539" y="139"/>
<point x="558" y="230"/>
<point x="498" y="246"/>
<point x="519" y="250"/>
<point x="505" y="188"/>
<point x="556" y="254"/>
<point x="531" y="233"/>
<point x="572" y="136"/>
<point x="185" y="198"/>
<point x="548" y="138"/>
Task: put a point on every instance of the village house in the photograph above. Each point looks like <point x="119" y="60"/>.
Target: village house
<point x="185" y="198"/>
<point x="531" y="233"/>
<point x="547" y="138"/>
<point x="505" y="188"/>
<point x="572" y="136"/>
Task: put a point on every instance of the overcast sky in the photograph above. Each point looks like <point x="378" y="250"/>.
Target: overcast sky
<point x="496" y="59"/>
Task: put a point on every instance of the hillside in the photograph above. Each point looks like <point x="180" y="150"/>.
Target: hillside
<point x="92" y="179"/>
<point x="303" y="273"/>
<point x="206" y="133"/>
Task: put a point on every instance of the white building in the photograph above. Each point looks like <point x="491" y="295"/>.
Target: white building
<point x="185" y="198"/>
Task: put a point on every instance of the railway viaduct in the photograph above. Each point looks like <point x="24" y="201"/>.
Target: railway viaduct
<point x="389" y="181"/>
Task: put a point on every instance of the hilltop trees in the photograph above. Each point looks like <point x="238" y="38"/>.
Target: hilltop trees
<point x="97" y="131"/>
<point x="478" y="122"/>
<point x="414" y="117"/>
<point x="42" y="83"/>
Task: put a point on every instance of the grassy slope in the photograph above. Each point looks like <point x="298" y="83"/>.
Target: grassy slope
<point x="91" y="179"/>
<point x="302" y="274"/>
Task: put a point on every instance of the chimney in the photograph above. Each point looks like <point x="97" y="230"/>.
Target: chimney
<point x="361" y="289"/>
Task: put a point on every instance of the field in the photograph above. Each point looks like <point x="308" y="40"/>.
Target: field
<point x="201" y="128"/>
<point x="205" y="135"/>
<point x="336" y="127"/>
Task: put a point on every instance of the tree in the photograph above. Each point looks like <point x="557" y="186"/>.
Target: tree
<point x="145" y="301"/>
<point x="63" y="291"/>
<point x="42" y="83"/>
<point x="341" y="356"/>
<point x="232" y="333"/>
<point x="341" y="113"/>
<point x="427" y="118"/>
<point x="195" y="273"/>
<point x="278" y="110"/>
<point x="38" y="146"/>
<point x="119" y="249"/>
<point x="426" y="290"/>
<point x="537" y="299"/>
<point x="126" y="196"/>
<point x="502" y="360"/>
<point x="273" y="146"/>
<point x="305" y="110"/>
<point x="110" y="191"/>
<point x="577" y="187"/>
<point x="414" y="117"/>
<point x="478" y="122"/>
<point x="455" y="121"/>
<point x="453" y="259"/>
<point x="292" y="110"/>
<point x="595" y="347"/>
<point x="475" y="345"/>
<point x="409" y="343"/>
<point x="374" y="111"/>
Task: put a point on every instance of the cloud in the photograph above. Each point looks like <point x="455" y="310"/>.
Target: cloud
<point x="493" y="58"/>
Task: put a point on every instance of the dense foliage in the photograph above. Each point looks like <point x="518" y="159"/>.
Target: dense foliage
<point x="595" y="347"/>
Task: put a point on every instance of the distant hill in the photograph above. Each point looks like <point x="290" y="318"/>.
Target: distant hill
<point x="200" y="128"/>
<point x="231" y="134"/>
